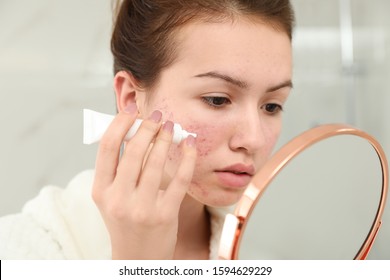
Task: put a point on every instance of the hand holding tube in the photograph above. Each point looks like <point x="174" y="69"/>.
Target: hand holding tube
<point x="95" y="124"/>
<point x="142" y="219"/>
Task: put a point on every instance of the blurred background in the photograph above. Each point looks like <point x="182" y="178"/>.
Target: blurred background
<point x="55" y="61"/>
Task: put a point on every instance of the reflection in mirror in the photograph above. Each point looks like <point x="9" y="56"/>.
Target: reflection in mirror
<point x="320" y="206"/>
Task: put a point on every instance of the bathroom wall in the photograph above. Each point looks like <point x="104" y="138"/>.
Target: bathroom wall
<point x="55" y="61"/>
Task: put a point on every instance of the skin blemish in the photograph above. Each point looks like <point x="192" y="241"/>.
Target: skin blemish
<point x="164" y="106"/>
<point x="204" y="139"/>
<point x="200" y="188"/>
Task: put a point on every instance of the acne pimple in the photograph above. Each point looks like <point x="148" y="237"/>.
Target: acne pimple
<point x="200" y="188"/>
<point x="163" y="106"/>
<point x="204" y="139"/>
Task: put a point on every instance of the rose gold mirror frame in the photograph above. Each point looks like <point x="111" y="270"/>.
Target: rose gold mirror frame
<point x="235" y="224"/>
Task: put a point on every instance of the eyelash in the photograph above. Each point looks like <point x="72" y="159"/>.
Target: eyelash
<point x="209" y="100"/>
<point x="270" y="108"/>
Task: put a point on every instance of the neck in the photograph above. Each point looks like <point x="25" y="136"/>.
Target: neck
<point x="194" y="230"/>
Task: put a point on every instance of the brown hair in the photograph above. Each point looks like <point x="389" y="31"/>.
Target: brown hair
<point x="143" y="36"/>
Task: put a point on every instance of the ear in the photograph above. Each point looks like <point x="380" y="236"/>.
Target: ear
<point x="126" y="89"/>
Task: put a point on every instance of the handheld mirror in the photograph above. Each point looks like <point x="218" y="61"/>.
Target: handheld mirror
<point x="321" y="196"/>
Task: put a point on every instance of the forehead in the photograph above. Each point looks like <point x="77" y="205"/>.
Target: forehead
<point x="242" y="48"/>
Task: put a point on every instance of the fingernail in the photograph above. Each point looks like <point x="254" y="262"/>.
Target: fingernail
<point x="191" y="141"/>
<point x="168" y="126"/>
<point x="156" y="116"/>
<point x="131" y="108"/>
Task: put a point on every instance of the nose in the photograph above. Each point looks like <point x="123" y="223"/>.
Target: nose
<point x="251" y="133"/>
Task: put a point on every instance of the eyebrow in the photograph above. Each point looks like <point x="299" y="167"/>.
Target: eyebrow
<point x="239" y="83"/>
<point x="226" y="78"/>
<point x="280" y="86"/>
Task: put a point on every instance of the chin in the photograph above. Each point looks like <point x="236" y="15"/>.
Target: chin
<point x="216" y="198"/>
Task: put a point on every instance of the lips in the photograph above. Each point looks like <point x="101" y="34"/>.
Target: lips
<point x="235" y="176"/>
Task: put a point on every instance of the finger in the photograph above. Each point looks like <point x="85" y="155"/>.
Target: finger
<point x="153" y="169"/>
<point x="109" y="147"/>
<point x="130" y="165"/>
<point x="180" y="183"/>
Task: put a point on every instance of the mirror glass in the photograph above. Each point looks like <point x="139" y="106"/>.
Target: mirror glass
<point x="321" y="205"/>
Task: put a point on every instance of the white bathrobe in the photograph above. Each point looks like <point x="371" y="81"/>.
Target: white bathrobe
<point x="66" y="224"/>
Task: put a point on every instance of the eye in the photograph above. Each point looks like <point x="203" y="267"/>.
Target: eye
<point x="272" y="108"/>
<point x="216" y="101"/>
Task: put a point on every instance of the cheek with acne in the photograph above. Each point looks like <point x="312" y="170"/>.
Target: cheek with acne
<point x="196" y="188"/>
<point x="205" y="138"/>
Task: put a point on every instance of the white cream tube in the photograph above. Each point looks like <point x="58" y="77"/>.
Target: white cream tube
<point x="95" y="124"/>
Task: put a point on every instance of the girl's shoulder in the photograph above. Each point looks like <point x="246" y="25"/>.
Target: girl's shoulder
<point x="59" y="223"/>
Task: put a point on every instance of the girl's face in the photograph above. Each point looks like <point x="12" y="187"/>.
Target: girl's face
<point x="228" y="86"/>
